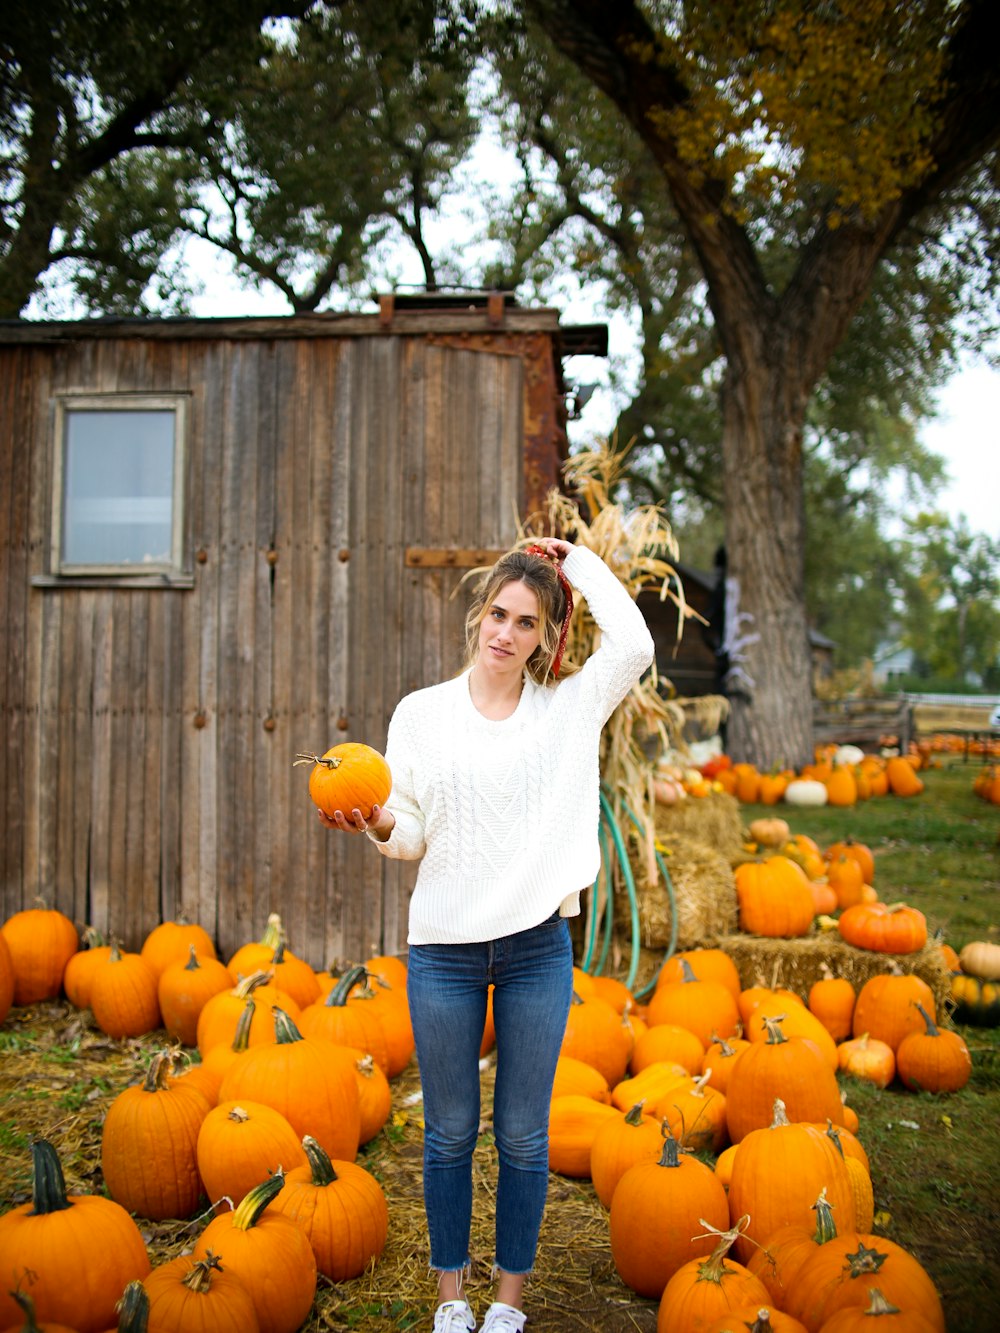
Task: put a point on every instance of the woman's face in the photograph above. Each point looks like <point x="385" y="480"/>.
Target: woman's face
<point x="509" y="631"/>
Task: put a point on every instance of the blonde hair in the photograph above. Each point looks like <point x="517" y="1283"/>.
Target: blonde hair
<point x="538" y="574"/>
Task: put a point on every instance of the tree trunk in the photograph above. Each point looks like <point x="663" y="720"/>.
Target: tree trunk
<point x="769" y="676"/>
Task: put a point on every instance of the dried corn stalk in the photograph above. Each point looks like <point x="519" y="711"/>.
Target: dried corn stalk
<point x="638" y="545"/>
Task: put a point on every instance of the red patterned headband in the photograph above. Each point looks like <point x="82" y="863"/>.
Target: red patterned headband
<point x="534" y="549"/>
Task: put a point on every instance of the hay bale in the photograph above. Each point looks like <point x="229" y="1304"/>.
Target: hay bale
<point x="704" y="895"/>
<point x="713" y="819"/>
<point x="796" y="964"/>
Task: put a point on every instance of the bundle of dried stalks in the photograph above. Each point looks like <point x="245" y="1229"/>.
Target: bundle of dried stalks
<point x="704" y="894"/>
<point x="639" y="546"/>
<point x="796" y="964"/>
<point x="714" y="819"/>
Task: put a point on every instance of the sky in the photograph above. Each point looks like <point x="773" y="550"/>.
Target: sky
<point x="966" y="434"/>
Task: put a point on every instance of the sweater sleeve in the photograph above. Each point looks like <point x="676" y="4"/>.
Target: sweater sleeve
<point x="406" y="842"/>
<point x="626" y="646"/>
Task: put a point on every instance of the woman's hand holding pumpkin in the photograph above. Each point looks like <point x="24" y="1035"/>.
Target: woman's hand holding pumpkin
<point x="381" y="822"/>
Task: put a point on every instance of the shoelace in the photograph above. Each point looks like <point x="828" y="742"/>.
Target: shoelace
<point x="452" y="1316"/>
<point x="503" y="1321"/>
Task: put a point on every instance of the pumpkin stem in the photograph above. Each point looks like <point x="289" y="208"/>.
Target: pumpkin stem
<point x="333" y="762"/>
<point x="192" y="963"/>
<point x="48" y="1188"/>
<point x="826" y="1228"/>
<point x="636" y="1115"/>
<point x="253" y="1203"/>
<point x="339" y="993"/>
<point x="241" y="1037"/>
<point x="247" y="985"/>
<point x="159" y="1070"/>
<point x="779" y="1115"/>
<point x="864" y="1260"/>
<point x="133" y="1308"/>
<point x="713" y="1269"/>
<point x="323" y="1172"/>
<point x="199" y="1275"/>
<point x="285" y="1031"/>
<point x="671" y="1155"/>
<point x="932" y="1029"/>
<point x="28" y="1306"/>
<point x="775" y="1033"/>
<point x="687" y="971"/>
<point x="877" y="1303"/>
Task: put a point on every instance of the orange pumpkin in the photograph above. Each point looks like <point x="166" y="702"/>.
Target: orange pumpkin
<point x="172" y="941"/>
<point x="347" y="777"/>
<point x="257" y="1243"/>
<point x="80" y="1248"/>
<point x="621" y="1143"/>
<point x="191" y="1293"/>
<point x="597" y="1034"/>
<point x="840" y="1274"/>
<point x="149" y="1144"/>
<point x="341" y="1208"/>
<point x="41" y="941"/>
<point x="778" y="1172"/>
<point x="832" y="1000"/>
<point x="184" y="988"/>
<point x="704" y="1289"/>
<point x="660" y="1213"/>
<point x="123" y="995"/>
<point x="574" y="1123"/>
<point x="857" y="851"/>
<point x="887" y="1007"/>
<point x="706" y="1008"/>
<point x="882" y="928"/>
<point x="242" y="1143"/>
<point x="935" y="1060"/>
<point x="774" y="898"/>
<point x="313" y="1083"/>
<point x="787" y="1067"/>
<point x="79" y="973"/>
<point x="902" y="777"/>
<point x="842" y="786"/>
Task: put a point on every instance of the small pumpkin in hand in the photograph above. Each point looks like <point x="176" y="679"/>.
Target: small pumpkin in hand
<point x="349" y="776"/>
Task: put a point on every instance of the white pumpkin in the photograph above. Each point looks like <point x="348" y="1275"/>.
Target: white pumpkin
<point x="805" y="791"/>
<point x="981" y="958"/>
<point x="848" y="754"/>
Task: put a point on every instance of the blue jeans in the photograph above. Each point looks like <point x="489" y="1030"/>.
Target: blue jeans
<point x="532" y="976"/>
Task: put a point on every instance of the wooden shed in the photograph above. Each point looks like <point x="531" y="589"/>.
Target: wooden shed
<point x="225" y="541"/>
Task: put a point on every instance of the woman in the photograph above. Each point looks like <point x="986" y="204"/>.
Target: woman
<point x="496" y="791"/>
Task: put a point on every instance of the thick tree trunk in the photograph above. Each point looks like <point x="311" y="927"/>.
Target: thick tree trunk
<point x="769" y="678"/>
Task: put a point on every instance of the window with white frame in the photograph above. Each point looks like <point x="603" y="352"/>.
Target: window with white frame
<point x="119" y="469"/>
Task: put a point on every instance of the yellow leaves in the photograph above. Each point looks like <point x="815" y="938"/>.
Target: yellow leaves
<point x="841" y="97"/>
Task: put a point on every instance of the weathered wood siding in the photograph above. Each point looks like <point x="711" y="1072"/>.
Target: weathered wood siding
<point x="146" y="766"/>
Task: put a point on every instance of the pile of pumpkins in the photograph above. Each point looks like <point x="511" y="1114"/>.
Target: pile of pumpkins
<point x="840" y="776"/>
<point x="746" y="1077"/>
<point x="293" y="1077"/>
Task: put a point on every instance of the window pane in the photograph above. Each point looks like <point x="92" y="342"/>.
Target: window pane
<point x="118" y="488"/>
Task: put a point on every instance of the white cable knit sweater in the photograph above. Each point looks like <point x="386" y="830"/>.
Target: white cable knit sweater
<point x="504" y="815"/>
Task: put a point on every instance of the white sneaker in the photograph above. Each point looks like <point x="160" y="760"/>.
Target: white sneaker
<point x="502" y="1318"/>
<point x="455" y="1317"/>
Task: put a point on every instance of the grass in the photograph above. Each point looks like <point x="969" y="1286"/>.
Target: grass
<point x="935" y="1158"/>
